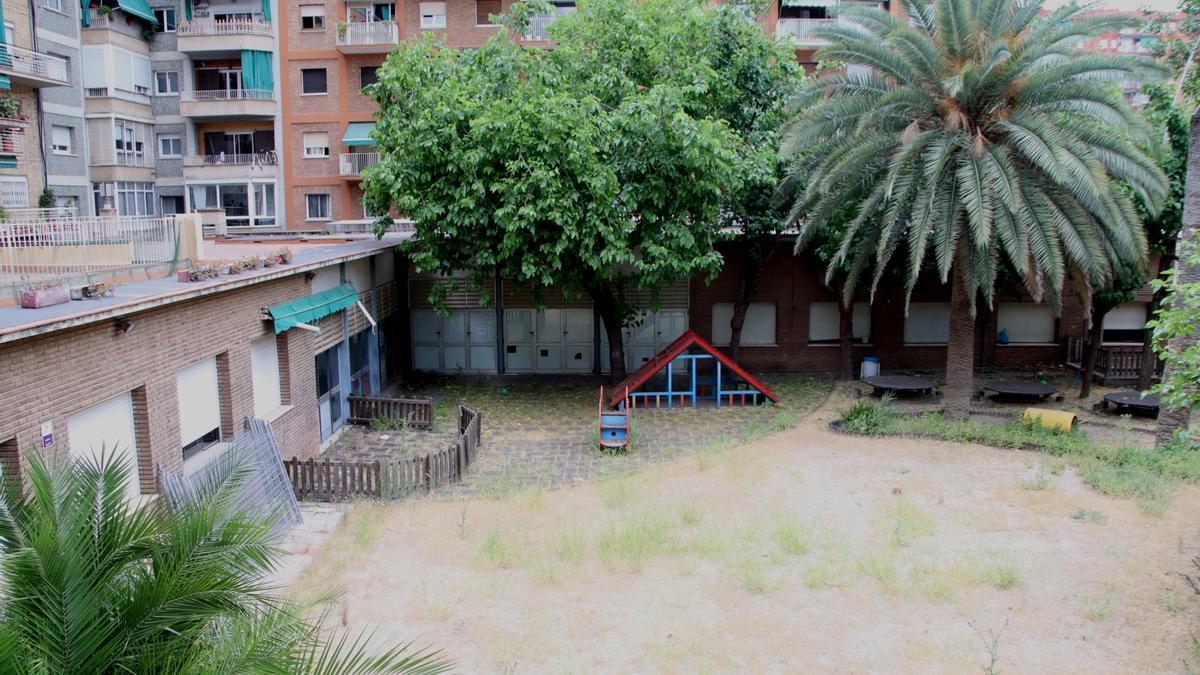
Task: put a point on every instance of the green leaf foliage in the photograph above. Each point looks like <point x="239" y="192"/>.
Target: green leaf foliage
<point x="980" y="137"/>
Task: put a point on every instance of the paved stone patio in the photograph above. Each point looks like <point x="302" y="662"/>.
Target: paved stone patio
<point x="541" y="433"/>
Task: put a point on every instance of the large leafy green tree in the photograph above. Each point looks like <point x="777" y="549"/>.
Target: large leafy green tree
<point x="91" y="583"/>
<point x="980" y="138"/>
<point x="600" y="167"/>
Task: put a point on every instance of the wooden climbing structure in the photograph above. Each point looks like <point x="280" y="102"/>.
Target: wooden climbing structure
<point x="688" y="372"/>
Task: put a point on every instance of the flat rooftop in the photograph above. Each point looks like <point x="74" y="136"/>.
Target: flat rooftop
<point x="309" y="253"/>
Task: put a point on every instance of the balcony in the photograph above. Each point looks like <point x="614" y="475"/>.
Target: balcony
<point x="228" y="104"/>
<point x="33" y="69"/>
<point x="367" y="37"/>
<point x="231" y="165"/>
<point x="12" y="140"/>
<point x="351" y="164"/>
<point x="537" y="30"/>
<point x="211" y="38"/>
<point x="800" y="32"/>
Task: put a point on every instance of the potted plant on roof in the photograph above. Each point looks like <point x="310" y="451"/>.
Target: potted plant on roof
<point x="342" y="27"/>
<point x="44" y="294"/>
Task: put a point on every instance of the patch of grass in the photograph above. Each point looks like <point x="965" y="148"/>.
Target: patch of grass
<point x="635" y="540"/>
<point x="751" y="576"/>
<point x="882" y="566"/>
<point x="1040" y="481"/>
<point x="1149" y="476"/>
<point x="1098" y="609"/>
<point x="908" y="522"/>
<point x="494" y="550"/>
<point x="1089" y="516"/>
<point x="826" y="572"/>
<point x="690" y="514"/>
<point x="792" y="536"/>
<point x="616" y="493"/>
<point x="1002" y="574"/>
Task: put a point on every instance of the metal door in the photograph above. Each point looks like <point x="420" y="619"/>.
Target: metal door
<point x="577" y="336"/>
<point x="481" y="335"/>
<point x="518" y="339"/>
<point x="549" y="340"/>
<point x="426" y="339"/>
<point x="454" y="341"/>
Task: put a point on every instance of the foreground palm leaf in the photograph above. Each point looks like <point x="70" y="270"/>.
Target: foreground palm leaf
<point x="980" y="138"/>
<point x="90" y="583"/>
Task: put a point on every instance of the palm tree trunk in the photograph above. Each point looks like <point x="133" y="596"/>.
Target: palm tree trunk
<point x="1091" y="351"/>
<point x="960" y="351"/>
<point x="1171" y="420"/>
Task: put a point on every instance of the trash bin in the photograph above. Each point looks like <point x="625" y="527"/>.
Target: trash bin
<point x="869" y="368"/>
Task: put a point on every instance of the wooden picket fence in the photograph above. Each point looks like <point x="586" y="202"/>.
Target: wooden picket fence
<point x="413" y="412"/>
<point x="325" y="480"/>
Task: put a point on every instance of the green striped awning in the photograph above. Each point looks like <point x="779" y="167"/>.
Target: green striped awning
<point x="358" y="133"/>
<point x="810" y="3"/>
<point x="139" y="8"/>
<point x="312" y="307"/>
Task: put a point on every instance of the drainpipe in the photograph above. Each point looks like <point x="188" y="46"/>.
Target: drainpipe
<point x="37" y="99"/>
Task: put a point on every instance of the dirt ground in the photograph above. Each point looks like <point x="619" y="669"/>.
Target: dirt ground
<point x="804" y="551"/>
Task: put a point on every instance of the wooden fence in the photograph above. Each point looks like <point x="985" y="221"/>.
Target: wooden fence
<point x="326" y="480"/>
<point x="414" y="412"/>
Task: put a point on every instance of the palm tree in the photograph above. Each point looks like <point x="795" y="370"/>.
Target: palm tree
<point x="980" y="137"/>
<point x="90" y="583"/>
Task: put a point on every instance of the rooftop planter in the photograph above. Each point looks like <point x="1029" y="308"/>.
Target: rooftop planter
<point x="36" y="296"/>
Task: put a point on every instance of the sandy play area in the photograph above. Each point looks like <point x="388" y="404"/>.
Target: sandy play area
<point x="807" y="551"/>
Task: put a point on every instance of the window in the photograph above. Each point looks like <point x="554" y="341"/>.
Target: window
<point x="55" y="5"/>
<point x="14" y="191"/>
<point x="129" y="198"/>
<point x="1025" y="323"/>
<point x="166" y="19"/>
<point x="129" y="140"/>
<point x="166" y="82"/>
<point x="312" y="17"/>
<point x="170" y="204"/>
<point x="61" y="141"/>
<point x="484" y="9"/>
<point x="367" y="76"/>
<point x="928" y="323"/>
<point x="318" y="206"/>
<point x="1126" y="323"/>
<point x="824" y="323"/>
<point x="264" y="370"/>
<point x="314" y="80"/>
<point x="170" y="146"/>
<point x="316" y="144"/>
<point x="758" y="328"/>
<point x="68" y="202"/>
<point x="107" y="429"/>
<point x="199" y="399"/>
<point x="433" y="15"/>
<point x="9" y="31"/>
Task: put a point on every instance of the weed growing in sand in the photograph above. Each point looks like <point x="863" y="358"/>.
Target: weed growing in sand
<point x="823" y="572"/>
<point x="1098" y="609"/>
<point x="750" y="575"/>
<point x="690" y="514"/>
<point x="883" y="568"/>
<point x="1040" y="481"/>
<point x="908" y="522"/>
<point x="1003" y="574"/>
<point x="495" y="550"/>
<point x="462" y="520"/>
<point x="1089" y="516"/>
<point x="617" y="492"/>
<point x="991" y="645"/>
<point x="792" y="536"/>
<point x="635" y="540"/>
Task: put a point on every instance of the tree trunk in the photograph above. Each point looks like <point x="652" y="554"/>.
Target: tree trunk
<point x="1091" y="350"/>
<point x="1171" y="420"/>
<point x="752" y="273"/>
<point x="846" y="340"/>
<point x="605" y="300"/>
<point x="960" y="351"/>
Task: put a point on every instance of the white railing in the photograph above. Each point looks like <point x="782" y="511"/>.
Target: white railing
<point x="209" y="27"/>
<point x="229" y="95"/>
<point x="98" y="19"/>
<point x="12" y="141"/>
<point x="353" y="163"/>
<point x="367" y="33"/>
<point x="801" y="31"/>
<point x="37" y="214"/>
<point x="536" y="32"/>
<point x="267" y="158"/>
<point x="51" y="248"/>
<point x="19" y="60"/>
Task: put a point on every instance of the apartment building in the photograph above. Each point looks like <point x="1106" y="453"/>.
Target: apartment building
<point x="181" y="106"/>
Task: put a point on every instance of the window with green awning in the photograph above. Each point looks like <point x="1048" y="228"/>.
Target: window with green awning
<point x="139" y="8"/>
<point x="312" y="307"/>
<point x="358" y="134"/>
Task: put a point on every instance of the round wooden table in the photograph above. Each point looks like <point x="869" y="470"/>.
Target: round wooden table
<point x="1019" y="389"/>
<point x="900" y="384"/>
<point x="1133" y="401"/>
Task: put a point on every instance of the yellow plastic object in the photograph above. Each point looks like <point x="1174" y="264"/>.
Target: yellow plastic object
<point x="1057" y="420"/>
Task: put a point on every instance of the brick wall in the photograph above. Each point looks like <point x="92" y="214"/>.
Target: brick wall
<point x="793" y="283"/>
<point x="51" y="377"/>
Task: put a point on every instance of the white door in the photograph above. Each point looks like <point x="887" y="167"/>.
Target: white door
<point x="577" y="334"/>
<point x="549" y="340"/>
<point x="481" y="335"/>
<point x="425" y="339"/>
<point x="107" y="428"/>
<point x="518" y="339"/>
<point x="454" y="341"/>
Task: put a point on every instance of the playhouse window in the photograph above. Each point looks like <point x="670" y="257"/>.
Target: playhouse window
<point x="758" y="330"/>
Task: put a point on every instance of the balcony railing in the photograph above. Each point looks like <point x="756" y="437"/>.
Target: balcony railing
<point x="367" y="33"/>
<point x="23" y="61"/>
<point x="353" y="163"/>
<point x="51" y="248"/>
<point x="801" y="31"/>
<point x="536" y="32"/>
<point x="12" y="141"/>
<point x="97" y="18"/>
<point x="229" y="95"/>
<point x="209" y="27"/>
<point x="265" y="158"/>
